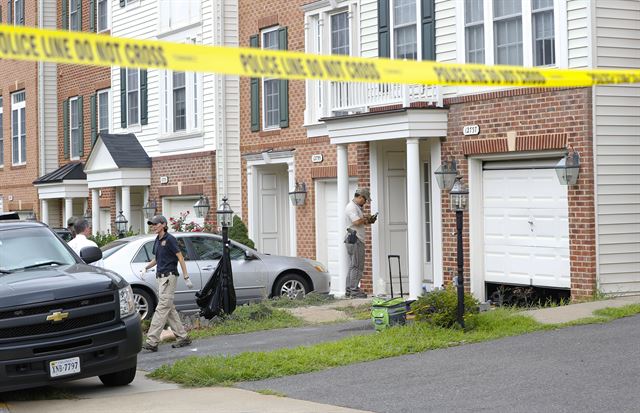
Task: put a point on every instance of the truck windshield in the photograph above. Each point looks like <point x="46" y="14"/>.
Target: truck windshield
<point x="37" y="247"/>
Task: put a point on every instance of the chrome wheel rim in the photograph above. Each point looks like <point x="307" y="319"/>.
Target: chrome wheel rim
<point x="142" y="306"/>
<point x="292" y="289"/>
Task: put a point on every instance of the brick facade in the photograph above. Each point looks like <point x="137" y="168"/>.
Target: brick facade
<point x="255" y="16"/>
<point x="541" y="119"/>
<point x="16" y="181"/>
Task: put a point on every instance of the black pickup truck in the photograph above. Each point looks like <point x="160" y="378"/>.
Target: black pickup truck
<point x="60" y="318"/>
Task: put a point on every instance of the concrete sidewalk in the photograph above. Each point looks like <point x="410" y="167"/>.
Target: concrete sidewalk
<point x="145" y="395"/>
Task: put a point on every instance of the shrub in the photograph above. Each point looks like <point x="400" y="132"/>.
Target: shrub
<point x="440" y="308"/>
<point x="102" y="239"/>
<point x="239" y="233"/>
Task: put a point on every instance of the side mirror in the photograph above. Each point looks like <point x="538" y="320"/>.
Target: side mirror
<point x="248" y="255"/>
<point x="90" y="254"/>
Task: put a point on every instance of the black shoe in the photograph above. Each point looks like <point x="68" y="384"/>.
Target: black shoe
<point x="358" y="294"/>
<point x="182" y="343"/>
<point x="149" y="348"/>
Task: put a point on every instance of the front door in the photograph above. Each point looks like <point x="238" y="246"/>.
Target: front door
<point x="395" y="204"/>
<point x="273" y="210"/>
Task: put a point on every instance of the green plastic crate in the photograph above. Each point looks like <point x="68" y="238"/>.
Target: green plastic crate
<point x="388" y="312"/>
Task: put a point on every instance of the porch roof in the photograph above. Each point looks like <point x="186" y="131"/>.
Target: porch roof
<point x="70" y="171"/>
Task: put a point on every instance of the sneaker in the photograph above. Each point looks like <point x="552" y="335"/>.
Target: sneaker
<point x="149" y="348"/>
<point x="182" y="343"/>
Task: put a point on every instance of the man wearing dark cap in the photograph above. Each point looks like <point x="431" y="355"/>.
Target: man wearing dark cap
<point x="356" y="221"/>
<point x="167" y="256"/>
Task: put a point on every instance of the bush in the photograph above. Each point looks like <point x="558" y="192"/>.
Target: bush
<point x="239" y="233"/>
<point x="440" y="308"/>
<point x="102" y="239"/>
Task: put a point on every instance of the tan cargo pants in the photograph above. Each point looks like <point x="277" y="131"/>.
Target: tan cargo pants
<point x="166" y="312"/>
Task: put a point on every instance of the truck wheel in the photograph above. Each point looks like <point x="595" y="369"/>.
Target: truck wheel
<point x="144" y="303"/>
<point x="119" y="378"/>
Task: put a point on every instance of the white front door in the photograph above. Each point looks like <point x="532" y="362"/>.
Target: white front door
<point x="273" y="210"/>
<point x="395" y="206"/>
<point x="526" y="227"/>
<point x="328" y="239"/>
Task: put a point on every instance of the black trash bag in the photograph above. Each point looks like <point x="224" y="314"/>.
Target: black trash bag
<point x="218" y="295"/>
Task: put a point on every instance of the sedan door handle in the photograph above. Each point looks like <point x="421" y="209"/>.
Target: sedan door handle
<point x="207" y="268"/>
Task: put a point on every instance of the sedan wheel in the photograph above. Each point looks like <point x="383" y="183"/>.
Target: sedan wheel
<point x="144" y="304"/>
<point x="292" y="286"/>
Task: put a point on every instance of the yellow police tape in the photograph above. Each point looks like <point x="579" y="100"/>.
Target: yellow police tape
<point x="27" y="43"/>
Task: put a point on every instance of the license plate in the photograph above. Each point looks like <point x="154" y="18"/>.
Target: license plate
<point x="64" y="367"/>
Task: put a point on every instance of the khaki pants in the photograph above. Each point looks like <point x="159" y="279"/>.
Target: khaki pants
<point x="165" y="312"/>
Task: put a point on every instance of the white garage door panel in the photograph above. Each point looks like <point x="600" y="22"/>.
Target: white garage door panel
<point x="526" y="228"/>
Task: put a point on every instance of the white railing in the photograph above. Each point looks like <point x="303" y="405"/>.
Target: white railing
<point x="349" y="98"/>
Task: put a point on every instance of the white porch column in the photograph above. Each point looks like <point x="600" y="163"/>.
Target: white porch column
<point x="339" y="285"/>
<point x="414" y="218"/>
<point x="68" y="210"/>
<point x="44" y="211"/>
<point x="95" y="211"/>
<point x="126" y="204"/>
<point x="293" y="247"/>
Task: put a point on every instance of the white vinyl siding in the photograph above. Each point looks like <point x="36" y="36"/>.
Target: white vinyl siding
<point x="617" y="147"/>
<point x="446" y="47"/>
<point x="369" y="28"/>
<point x="18" y="129"/>
<point x="578" y="32"/>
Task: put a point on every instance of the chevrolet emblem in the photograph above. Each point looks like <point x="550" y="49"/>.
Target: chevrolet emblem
<point x="57" y="316"/>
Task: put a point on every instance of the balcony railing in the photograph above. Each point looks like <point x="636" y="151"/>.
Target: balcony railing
<point x="348" y="98"/>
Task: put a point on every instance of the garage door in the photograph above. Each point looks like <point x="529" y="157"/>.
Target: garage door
<point x="526" y="227"/>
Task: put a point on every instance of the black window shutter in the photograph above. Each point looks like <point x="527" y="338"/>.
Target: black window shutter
<point x="428" y="30"/>
<point x="284" y="83"/>
<point x="123" y="98"/>
<point x="65" y="128"/>
<point x="384" y="38"/>
<point x="255" y="92"/>
<point x="94" y="118"/>
<point x="0" y="13"/>
<point x="80" y="143"/>
<point x="92" y="15"/>
<point x="122" y="3"/>
<point x="144" y="118"/>
<point x="65" y="14"/>
<point x="10" y="11"/>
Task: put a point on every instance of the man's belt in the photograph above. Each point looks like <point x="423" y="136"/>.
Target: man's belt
<point x="166" y="274"/>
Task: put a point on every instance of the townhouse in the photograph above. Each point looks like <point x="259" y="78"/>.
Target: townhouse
<point x="27" y="114"/>
<point x="523" y="227"/>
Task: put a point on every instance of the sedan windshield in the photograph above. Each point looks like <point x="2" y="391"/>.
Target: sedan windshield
<point x="37" y="247"/>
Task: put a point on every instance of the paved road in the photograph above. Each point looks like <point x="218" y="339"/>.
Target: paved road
<point x="258" y="341"/>
<point x="590" y="368"/>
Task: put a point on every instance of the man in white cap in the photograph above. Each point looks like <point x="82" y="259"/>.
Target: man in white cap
<point x="356" y="221"/>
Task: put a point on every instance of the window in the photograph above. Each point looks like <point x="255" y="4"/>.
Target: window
<point x="103" y="15"/>
<point x="207" y="248"/>
<point x="145" y="254"/>
<point x="16" y="12"/>
<point x="75" y="15"/>
<point x="175" y="14"/>
<point x="133" y="96"/>
<point x="271" y="87"/>
<point x="181" y="102"/>
<point x="340" y="33"/>
<point x="507" y="23"/>
<point x="543" y="34"/>
<point x="75" y="122"/>
<point x="405" y="40"/>
<point x="1" y="137"/>
<point x="103" y="111"/>
<point x="474" y="31"/>
<point x="18" y="129"/>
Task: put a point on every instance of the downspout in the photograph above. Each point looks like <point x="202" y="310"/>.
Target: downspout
<point x="41" y="133"/>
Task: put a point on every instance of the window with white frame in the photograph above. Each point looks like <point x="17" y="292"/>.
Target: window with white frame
<point x="175" y="14"/>
<point x="507" y="32"/>
<point x="181" y="98"/>
<point x="18" y="129"/>
<point x="543" y="33"/>
<point x="75" y="15"/>
<point x="103" y="110"/>
<point x="270" y="87"/>
<point x="102" y="13"/>
<point x="133" y="97"/>
<point x="405" y="32"/>
<point x="75" y="132"/>
<point x="1" y="135"/>
<point x="340" y="33"/>
<point x="474" y="31"/>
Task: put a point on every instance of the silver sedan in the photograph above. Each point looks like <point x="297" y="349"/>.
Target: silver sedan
<point x="255" y="276"/>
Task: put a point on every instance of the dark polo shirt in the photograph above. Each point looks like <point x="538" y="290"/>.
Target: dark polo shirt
<point x="165" y="250"/>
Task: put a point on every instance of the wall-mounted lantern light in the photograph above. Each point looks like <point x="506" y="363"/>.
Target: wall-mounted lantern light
<point x="568" y="168"/>
<point x="299" y="195"/>
<point x="150" y="209"/>
<point x="446" y="175"/>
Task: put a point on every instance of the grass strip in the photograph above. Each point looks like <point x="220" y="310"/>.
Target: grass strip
<point x="396" y="341"/>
